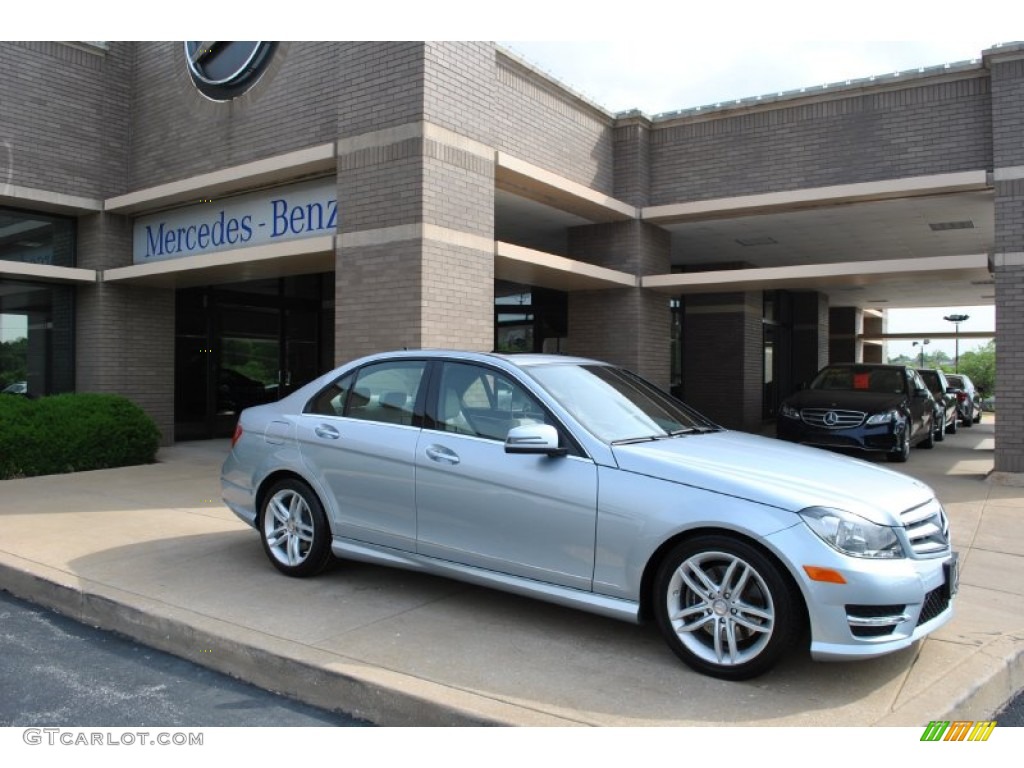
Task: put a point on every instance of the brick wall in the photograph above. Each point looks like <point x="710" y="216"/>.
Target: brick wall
<point x="925" y="129"/>
<point x="176" y="132"/>
<point x="63" y="113"/>
<point x="543" y="124"/>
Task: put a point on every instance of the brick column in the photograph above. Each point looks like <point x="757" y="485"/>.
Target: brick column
<point x="631" y="327"/>
<point x="1007" y="67"/>
<point x="723" y="357"/>
<point x="810" y="335"/>
<point x="845" y="325"/>
<point x="415" y="263"/>
<point x="124" y="333"/>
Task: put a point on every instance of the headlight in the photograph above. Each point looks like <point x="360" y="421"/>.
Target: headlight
<point x="883" y="418"/>
<point x="789" y="412"/>
<point x="852" y="534"/>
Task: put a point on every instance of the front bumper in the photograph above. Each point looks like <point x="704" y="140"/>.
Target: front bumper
<point x="880" y="437"/>
<point x="884" y="606"/>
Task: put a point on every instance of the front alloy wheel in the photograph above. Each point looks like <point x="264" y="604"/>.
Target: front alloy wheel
<point x="902" y="453"/>
<point x="724" y="607"/>
<point x="294" y="529"/>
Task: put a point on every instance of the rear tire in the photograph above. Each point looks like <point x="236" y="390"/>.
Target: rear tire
<point x="294" y="530"/>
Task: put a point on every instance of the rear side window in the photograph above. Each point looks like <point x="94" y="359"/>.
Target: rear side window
<point x="331" y="401"/>
<point x="386" y="392"/>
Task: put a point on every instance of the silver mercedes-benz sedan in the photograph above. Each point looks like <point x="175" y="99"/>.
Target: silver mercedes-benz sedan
<point x="578" y="482"/>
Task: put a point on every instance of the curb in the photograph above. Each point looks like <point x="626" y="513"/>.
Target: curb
<point x="316" y="678"/>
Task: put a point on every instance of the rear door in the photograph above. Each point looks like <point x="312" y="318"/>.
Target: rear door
<point x="358" y="437"/>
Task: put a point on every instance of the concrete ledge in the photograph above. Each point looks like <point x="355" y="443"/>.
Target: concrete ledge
<point x="314" y="677"/>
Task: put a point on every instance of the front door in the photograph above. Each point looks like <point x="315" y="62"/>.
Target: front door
<point x="529" y="516"/>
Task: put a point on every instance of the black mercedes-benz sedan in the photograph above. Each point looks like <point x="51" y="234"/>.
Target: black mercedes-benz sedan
<point x="861" y="407"/>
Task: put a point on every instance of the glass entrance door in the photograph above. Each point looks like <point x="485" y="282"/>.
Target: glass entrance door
<point x="244" y="345"/>
<point x="247" y="355"/>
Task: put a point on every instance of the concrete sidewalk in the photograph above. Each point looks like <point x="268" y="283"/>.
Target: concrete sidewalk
<point x="151" y="552"/>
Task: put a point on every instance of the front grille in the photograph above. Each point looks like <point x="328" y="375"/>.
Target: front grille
<point x="927" y="528"/>
<point x="830" y="418"/>
<point x="935" y="602"/>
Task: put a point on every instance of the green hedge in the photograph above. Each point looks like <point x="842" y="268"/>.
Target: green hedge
<point x="72" y="433"/>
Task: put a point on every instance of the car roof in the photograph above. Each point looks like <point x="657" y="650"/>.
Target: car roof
<point x="520" y="360"/>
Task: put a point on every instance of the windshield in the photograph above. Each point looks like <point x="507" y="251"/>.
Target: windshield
<point x="617" y="406"/>
<point x="860" y="379"/>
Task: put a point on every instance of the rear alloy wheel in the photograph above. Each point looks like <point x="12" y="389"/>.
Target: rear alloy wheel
<point x="725" y="608"/>
<point x="968" y="421"/>
<point x="940" y="424"/>
<point x="902" y="453"/>
<point x="294" y="529"/>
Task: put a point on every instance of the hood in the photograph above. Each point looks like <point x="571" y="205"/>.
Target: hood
<point x="777" y="473"/>
<point x="869" y="402"/>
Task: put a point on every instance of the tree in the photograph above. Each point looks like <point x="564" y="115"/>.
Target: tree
<point x="980" y="365"/>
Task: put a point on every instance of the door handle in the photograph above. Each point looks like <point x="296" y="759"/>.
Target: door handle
<point x="442" y="455"/>
<point x="327" y="431"/>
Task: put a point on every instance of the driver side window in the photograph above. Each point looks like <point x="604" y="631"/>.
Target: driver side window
<point x="478" y="401"/>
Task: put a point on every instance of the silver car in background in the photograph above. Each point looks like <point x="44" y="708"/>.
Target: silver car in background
<point x="577" y="482"/>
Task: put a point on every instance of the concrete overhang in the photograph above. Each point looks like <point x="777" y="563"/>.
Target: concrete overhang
<point x="819" y="277"/>
<point x="45" y="273"/>
<point x="269" y="171"/>
<point x="546" y="270"/>
<point x="817" y="197"/>
<point x="534" y="183"/>
<point x="48" y="202"/>
<point x="293" y="257"/>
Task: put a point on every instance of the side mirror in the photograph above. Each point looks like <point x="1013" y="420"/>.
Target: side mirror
<point x="922" y="393"/>
<point x="534" y="439"/>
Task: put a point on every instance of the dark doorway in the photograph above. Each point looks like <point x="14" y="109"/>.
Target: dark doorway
<point x="245" y="344"/>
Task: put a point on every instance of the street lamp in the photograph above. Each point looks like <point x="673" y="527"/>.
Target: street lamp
<point x="956" y="320"/>
<point x="921" y="344"/>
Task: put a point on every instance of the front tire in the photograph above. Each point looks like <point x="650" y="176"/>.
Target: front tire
<point x="901" y="454"/>
<point x="725" y="608"/>
<point x="294" y="529"/>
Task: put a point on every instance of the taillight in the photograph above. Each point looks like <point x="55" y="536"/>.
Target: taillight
<point x="961" y="396"/>
<point x="238" y="434"/>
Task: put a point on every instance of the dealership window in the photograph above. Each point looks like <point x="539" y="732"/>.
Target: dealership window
<point x="35" y="238"/>
<point x="36" y="338"/>
<point x="529" y="319"/>
<point x="36" y="319"/>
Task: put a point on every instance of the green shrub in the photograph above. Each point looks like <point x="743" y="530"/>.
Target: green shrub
<point x="73" y="433"/>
